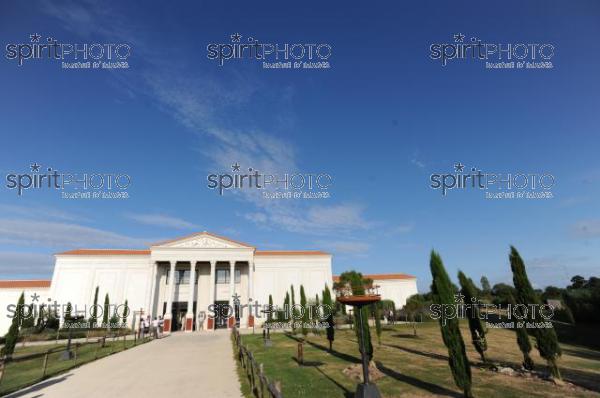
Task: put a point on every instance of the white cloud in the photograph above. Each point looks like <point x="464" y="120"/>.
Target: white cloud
<point x="586" y="229"/>
<point x="345" y="247"/>
<point x="161" y="220"/>
<point x="25" y="264"/>
<point x="61" y="235"/>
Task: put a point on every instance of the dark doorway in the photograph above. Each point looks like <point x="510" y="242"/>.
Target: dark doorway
<point x="222" y="309"/>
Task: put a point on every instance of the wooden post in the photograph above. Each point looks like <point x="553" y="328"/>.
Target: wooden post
<point x="260" y="379"/>
<point x="45" y="365"/>
<point x="96" y="351"/>
<point x="300" y="353"/>
<point x="76" y="350"/>
<point x="2" y="367"/>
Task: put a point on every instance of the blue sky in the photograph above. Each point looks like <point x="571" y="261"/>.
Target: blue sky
<point x="380" y="121"/>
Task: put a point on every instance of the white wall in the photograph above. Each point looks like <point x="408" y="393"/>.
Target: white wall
<point x="397" y="290"/>
<point x="275" y="274"/>
<point x="11" y="296"/>
<point x="123" y="277"/>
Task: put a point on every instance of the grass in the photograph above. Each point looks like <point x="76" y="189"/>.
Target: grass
<point x="22" y="373"/>
<point x="418" y="366"/>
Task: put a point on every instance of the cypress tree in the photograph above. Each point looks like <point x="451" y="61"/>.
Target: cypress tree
<point x="523" y="340"/>
<point x="125" y="313"/>
<point x="443" y="295"/>
<point x="105" y="316"/>
<point x="286" y="307"/>
<point x="328" y="303"/>
<point x="547" y="342"/>
<point x="476" y="326"/>
<point x="68" y="315"/>
<point x="293" y="298"/>
<point x="270" y="314"/>
<point x="94" y="314"/>
<point x="315" y="315"/>
<point x="11" y="337"/>
<point x="305" y="311"/>
<point x="378" y="321"/>
<point x="357" y="283"/>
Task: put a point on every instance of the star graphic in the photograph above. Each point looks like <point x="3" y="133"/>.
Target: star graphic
<point x="459" y="37"/>
<point x="236" y="298"/>
<point x="236" y="37"/>
<point x="459" y="298"/>
<point x="35" y="167"/>
<point x="35" y="297"/>
<point x="35" y="38"/>
<point x="235" y="167"/>
<point x="459" y="167"/>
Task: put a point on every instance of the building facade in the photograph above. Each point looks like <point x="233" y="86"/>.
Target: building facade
<point x="185" y="281"/>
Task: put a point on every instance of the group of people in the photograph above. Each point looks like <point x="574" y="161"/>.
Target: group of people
<point x="151" y="326"/>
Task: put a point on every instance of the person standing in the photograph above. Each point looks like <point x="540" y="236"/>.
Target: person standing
<point x="155" y="328"/>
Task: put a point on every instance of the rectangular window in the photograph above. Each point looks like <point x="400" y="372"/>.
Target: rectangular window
<point x="238" y="276"/>
<point x="222" y="276"/>
<point x="182" y="276"/>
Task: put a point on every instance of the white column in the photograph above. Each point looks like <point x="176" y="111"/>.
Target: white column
<point x="211" y="292"/>
<point x="231" y="287"/>
<point x="171" y="283"/>
<point x="153" y="288"/>
<point x="189" y="316"/>
<point x="251" y="280"/>
<point x="250" y="321"/>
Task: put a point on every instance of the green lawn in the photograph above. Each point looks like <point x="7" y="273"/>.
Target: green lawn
<point x="19" y="374"/>
<point x="416" y="367"/>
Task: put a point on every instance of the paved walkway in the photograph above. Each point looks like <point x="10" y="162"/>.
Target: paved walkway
<point x="181" y="365"/>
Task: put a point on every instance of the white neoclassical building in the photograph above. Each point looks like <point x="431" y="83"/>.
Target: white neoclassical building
<point x="183" y="279"/>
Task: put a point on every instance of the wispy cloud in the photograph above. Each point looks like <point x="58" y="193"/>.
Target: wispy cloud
<point x="352" y="247"/>
<point x="36" y="212"/>
<point x="214" y="106"/>
<point x="586" y="229"/>
<point x="61" y="235"/>
<point x="162" y="220"/>
<point x="29" y="265"/>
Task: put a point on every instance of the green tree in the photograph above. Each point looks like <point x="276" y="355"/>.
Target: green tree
<point x="270" y="314"/>
<point x="11" y="337"/>
<point x="125" y="313"/>
<point x="328" y="304"/>
<point x="315" y="315"/>
<point x="547" y="342"/>
<point x="286" y="307"/>
<point x="486" y="288"/>
<point x="377" y="314"/>
<point x="68" y="314"/>
<point x="523" y="340"/>
<point x="476" y="326"/>
<point x="293" y="311"/>
<point x="355" y="281"/>
<point x="443" y="295"/>
<point x="105" y="314"/>
<point x="304" y="311"/>
<point x="28" y="321"/>
<point x="94" y="314"/>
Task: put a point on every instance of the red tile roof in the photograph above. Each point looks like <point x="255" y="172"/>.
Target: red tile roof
<point x="20" y="284"/>
<point x="290" y="253"/>
<point x="106" y="252"/>
<point x="380" y="277"/>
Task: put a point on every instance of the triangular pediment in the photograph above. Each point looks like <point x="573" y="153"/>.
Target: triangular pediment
<point x="203" y="240"/>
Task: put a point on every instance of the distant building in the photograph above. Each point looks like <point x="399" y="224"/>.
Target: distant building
<point x="395" y="287"/>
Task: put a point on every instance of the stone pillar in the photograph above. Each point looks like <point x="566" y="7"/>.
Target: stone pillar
<point x="250" y="293"/>
<point x="231" y="320"/>
<point x="210" y="323"/>
<point x="171" y="283"/>
<point x="189" y="316"/>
